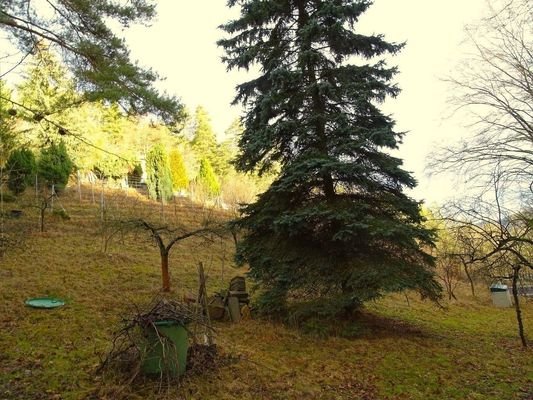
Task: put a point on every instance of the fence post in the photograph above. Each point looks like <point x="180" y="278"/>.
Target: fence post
<point x="52" y="199"/>
<point x="102" y="204"/>
<point x="79" y="184"/>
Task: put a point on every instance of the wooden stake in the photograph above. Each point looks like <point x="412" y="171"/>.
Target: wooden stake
<point x="202" y="300"/>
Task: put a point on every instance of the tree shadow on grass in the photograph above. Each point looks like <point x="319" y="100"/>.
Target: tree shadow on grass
<point x="361" y="324"/>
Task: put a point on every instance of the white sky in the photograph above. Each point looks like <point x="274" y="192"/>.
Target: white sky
<point x="181" y="46"/>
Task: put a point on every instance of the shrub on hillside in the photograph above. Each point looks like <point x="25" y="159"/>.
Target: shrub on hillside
<point x="20" y="167"/>
<point x="178" y="171"/>
<point x="54" y="165"/>
<point x="207" y="178"/>
<point x="158" y="177"/>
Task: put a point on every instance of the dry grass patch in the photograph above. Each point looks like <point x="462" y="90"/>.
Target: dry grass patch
<point x="393" y="350"/>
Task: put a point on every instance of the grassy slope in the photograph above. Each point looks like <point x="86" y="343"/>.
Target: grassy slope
<point x="398" y="351"/>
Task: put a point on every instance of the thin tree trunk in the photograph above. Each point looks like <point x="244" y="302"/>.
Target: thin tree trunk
<point x="43" y="209"/>
<point x="162" y="209"/>
<point x="1" y="210"/>
<point x="102" y="202"/>
<point x="234" y="235"/>
<point x="164" y="270"/>
<point x="202" y="301"/>
<point x="516" y="271"/>
<point x="2" y="198"/>
<point x="79" y="185"/>
<point x="467" y="272"/>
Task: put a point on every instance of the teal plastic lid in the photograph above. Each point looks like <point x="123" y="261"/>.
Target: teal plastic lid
<point x="44" y="302"/>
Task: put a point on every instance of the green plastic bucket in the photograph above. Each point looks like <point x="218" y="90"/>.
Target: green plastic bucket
<point x="166" y="350"/>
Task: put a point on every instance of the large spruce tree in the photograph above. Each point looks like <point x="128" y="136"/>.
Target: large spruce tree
<point x="336" y="221"/>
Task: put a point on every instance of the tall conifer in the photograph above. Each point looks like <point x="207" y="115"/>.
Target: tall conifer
<point x="204" y="141"/>
<point x="207" y="178"/>
<point x="180" y="181"/>
<point x="336" y="221"/>
<point x="158" y="175"/>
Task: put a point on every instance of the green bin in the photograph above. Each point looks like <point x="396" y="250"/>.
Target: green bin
<point x="166" y="350"/>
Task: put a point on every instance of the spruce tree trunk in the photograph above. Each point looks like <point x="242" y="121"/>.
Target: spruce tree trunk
<point x="318" y="107"/>
<point x="164" y="270"/>
<point x="234" y="235"/>
<point x="516" y="271"/>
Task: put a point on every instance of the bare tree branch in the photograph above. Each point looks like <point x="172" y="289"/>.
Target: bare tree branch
<point x="494" y="88"/>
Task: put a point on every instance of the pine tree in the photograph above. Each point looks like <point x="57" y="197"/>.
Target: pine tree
<point x="158" y="177"/>
<point x="228" y="149"/>
<point x="46" y="87"/>
<point x="98" y="59"/>
<point x="180" y="181"/>
<point x="204" y="141"/>
<point x="207" y="178"/>
<point x="335" y="221"/>
<point x="113" y="137"/>
<point x="48" y="96"/>
<point x="233" y="134"/>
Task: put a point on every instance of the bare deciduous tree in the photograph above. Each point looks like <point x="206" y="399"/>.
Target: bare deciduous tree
<point x="44" y="203"/>
<point x="495" y="88"/>
<point x="504" y="237"/>
<point x="469" y="249"/>
<point x="166" y="235"/>
<point x="448" y="272"/>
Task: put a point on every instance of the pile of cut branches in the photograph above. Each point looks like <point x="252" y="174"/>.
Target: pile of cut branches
<point x="128" y="349"/>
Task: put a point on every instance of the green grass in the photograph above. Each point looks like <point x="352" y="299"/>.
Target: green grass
<point x="393" y="350"/>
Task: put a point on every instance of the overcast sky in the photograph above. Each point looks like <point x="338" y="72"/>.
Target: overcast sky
<point x="181" y="46"/>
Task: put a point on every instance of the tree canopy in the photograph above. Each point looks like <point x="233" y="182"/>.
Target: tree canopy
<point x="54" y="165"/>
<point x="21" y="167"/>
<point x="99" y="60"/>
<point x="336" y="220"/>
<point x="7" y="125"/>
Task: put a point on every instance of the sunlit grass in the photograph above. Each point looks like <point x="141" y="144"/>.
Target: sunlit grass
<point x="394" y="350"/>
